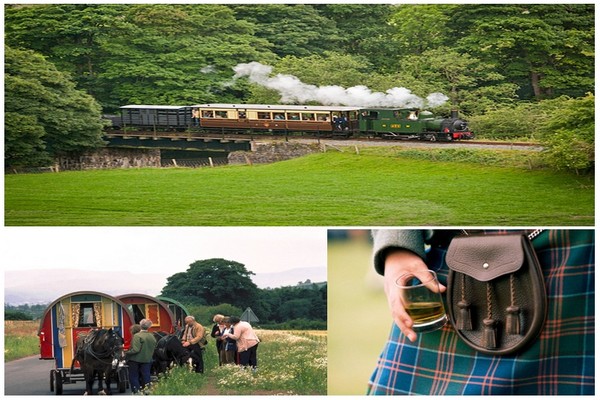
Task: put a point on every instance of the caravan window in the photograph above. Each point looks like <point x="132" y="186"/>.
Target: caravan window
<point x="87" y="317"/>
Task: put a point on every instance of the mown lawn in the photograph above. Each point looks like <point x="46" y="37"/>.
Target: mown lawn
<point x="330" y="189"/>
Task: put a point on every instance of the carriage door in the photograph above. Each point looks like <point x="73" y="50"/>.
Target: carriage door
<point x="368" y="117"/>
<point x="243" y="119"/>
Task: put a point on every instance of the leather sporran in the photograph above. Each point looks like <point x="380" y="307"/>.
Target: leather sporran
<point x="496" y="294"/>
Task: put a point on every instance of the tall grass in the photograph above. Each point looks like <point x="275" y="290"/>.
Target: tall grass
<point x="289" y="363"/>
<point x="330" y="189"/>
<point x="20" y="339"/>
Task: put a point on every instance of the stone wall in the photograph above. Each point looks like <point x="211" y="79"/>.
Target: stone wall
<point x="264" y="153"/>
<point x="109" y="158"/>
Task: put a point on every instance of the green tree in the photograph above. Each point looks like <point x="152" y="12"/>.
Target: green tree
<point x="180" y="54"/>
<point x="472" y="85"/>
<point x="293" y="29"/>
<point x="365" y="31"/>
<point x="421" y="27"/>
<point x="45" y="115"/>
<point x="140" y="53"/>
<point x="71" y="36"/>
<point x="546" y="49"/>
<point x="212" y="282"/>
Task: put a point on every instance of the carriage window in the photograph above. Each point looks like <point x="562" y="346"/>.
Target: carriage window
<point x="221" y="114"/>
<point x="87" y="316"/>
<point x="308" y="116"/>
<point x="278" y="116"/>
<point x="369" y="115"/>
<point x="241" y="114"/>
<point x="323" y="117"/>
<point x="152" y="313"/>
<point x="293" y="116"/>
<point x="264" y="115"/>
<point x="207" y="114"/>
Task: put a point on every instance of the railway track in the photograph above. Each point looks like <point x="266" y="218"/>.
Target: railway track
<point x="370" y="141"/>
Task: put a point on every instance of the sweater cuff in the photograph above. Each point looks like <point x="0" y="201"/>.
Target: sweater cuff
<point x="385" y="240"/>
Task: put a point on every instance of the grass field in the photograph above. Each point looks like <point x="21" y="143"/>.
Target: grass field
<point x="20" y="339"/>
<point x="328" y="189"/>
<point x="289" y="363"/>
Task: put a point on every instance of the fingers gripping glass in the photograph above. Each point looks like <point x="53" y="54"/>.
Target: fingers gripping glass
<point x="422" y="301"/>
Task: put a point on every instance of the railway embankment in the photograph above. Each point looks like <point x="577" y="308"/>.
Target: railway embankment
<point x="269" y="152"/>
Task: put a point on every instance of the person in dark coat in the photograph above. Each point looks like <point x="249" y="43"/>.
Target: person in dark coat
<point x="139" y="355"/>
<point x="216" y="332"/>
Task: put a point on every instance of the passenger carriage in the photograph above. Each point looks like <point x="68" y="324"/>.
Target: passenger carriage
<point x="75" y="314"/>
<point x="143" y="306"/>
<point x="278" y="118"/>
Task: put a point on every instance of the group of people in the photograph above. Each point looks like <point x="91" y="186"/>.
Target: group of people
<point x="236" y="344"/>
<point x="236" y="341"/>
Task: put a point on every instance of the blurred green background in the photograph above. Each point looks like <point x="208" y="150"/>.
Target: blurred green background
<point x="359" y="320"/>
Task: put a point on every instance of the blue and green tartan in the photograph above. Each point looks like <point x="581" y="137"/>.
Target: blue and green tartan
<point x="559" y="362"/>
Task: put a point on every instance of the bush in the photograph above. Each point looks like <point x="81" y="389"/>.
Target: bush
<point x="205" y="314"/>
<point x="297" y="324"/>
<point x="569" y="135"/>
<point x="16" y="316"/>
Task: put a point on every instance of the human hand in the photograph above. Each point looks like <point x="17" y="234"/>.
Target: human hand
<point x="398" y="263"/>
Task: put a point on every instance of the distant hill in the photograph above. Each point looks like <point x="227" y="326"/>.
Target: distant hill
<point x="45" y="286"/>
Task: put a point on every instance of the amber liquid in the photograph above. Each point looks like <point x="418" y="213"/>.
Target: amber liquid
<point x="426" y="312"/>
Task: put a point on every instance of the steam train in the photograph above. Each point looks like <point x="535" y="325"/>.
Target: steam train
<point x="334" y="121"/>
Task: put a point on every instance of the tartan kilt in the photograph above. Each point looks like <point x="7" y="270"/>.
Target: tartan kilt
<point x="559" y="362"/>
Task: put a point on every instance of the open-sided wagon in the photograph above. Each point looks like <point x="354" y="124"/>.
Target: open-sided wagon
<point x="76" y="314"/>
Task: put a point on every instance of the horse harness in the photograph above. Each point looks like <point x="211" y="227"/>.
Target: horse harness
<point x="88" y="348"/>
<point x="161" y="347"/>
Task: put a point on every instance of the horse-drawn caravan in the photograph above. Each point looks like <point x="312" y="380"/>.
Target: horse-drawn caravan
<point x="85" y="332"/>
<point x="177" y="309"/>
<point x="143" y="306"/>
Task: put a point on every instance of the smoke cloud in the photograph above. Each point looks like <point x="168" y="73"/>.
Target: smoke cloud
<point x="293" y="90"/>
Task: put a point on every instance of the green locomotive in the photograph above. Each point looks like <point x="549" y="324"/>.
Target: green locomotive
<point x="412" y="123"/>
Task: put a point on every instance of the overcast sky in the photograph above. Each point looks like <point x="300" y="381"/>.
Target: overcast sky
<point x="150" y="253"/>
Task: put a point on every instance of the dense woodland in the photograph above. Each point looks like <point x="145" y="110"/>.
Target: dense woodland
<point x="218" y="286"/>
<point x="515" y="70"/>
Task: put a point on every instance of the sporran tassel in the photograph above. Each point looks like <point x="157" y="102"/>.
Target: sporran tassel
<point x="464" y="313"/>
<point x="489" y="324"/>
<point x="513" y="323"/>
<point x="464" y="316"/>
<point x="489" y="334"/>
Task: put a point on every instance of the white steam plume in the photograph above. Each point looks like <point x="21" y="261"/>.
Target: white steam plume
<point x="293" y="90"/>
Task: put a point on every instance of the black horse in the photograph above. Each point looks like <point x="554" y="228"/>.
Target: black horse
<point x="169" y="350"/>
<point x="96" y="352"/>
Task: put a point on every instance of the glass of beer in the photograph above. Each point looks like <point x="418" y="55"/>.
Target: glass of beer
<point x="422" y="301"/>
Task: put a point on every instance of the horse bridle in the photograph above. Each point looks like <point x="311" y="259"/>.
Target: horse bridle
<point x="112" y="352"/>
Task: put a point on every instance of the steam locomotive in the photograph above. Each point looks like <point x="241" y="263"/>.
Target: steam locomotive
<point x="334" y="121"/>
